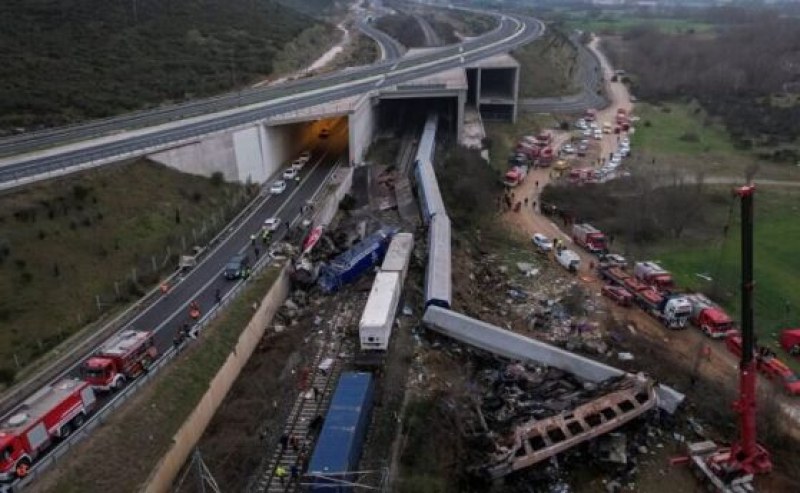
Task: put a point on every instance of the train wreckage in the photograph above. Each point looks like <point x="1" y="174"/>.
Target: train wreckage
<point x="546" y="400"/>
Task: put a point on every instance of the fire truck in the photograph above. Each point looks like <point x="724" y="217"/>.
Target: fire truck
<point x="515" y="176"/>
<point x="654" y="275"/>
<point x="49" y="415"/>
<point x="589" y="237"/>
<point x="124" y="357"/>
<point x="768" y="364"/>
<point x="709" y="317"/>
<point x="672" y="311"/>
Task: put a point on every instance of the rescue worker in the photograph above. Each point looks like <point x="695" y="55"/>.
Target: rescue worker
<point x="253" y="239"/>
<point x="280" y="471"/>
<point x="265" y="236"/>
<point x="257" y="252"/>
<point x="218" y="296"/>
<point x="284" y="441"/>
<point x="295" y="473"/>
<point x="194" y="310"/>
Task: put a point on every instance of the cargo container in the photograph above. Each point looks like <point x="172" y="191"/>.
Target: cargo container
<point x="375" y="327"/>
<point x="398" y="256"/>
<point x="348" y="266"/>
<point x="338" y="450"/>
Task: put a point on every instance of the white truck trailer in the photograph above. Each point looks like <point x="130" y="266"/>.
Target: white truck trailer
<point x="375" y="327"/>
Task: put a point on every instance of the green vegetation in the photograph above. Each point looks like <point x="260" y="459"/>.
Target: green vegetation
<point x="421" y="467"/>
<point x="402" y="27"/>
<point x="362" y="50"/>
<point x="620" y="24"/>
<point x="74" y="60"/>
<point x="684" y="136"/>
<point x="679" y="129"/>
<point x="777" y="238"/>
<point x="547" y="67"/>
<point x="140" y="433"/>
<point x="64" y="243"/>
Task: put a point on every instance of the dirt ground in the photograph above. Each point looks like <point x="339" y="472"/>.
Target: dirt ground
<point x="683" y="348"/>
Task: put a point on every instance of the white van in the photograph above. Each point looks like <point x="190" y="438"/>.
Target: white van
<point x="569" y="260"/>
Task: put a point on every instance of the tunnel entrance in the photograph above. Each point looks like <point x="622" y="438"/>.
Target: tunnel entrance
<point x="396" y="117"/>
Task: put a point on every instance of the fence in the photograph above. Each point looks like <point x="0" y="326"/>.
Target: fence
<point x="78" y="346"/>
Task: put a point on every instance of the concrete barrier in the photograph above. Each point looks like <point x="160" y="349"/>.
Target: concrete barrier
<point x="515" y="346"/>
<point x="340" y="184"/>
<point x="184" y="441"/>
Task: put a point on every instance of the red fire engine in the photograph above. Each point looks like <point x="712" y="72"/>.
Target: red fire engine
<point x="47" y="416"/>
<point x="124" y="357"/>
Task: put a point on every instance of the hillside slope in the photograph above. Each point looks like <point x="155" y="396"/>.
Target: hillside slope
<point x="71" y="60"/>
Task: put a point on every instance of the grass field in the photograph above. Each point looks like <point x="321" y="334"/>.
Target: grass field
<point x="777" y="265"/>
<point x="681" y="135"/>
<point x="547" y="67"/>
<point x="64" y="242"/>
<point x="129" y="441"/>
<point x="625" y="23"/>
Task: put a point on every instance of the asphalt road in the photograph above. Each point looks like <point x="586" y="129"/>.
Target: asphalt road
<point x="169" y="313"/>
<point x="316" y="91"/>
<point x="391" y="49"/>
<point x="589" y="77"/>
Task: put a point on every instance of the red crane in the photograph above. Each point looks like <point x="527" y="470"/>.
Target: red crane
<point x="746" y="457"/>
<point x="746" y="454"/>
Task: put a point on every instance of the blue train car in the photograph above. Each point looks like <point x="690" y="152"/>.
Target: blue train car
<point x="438" y="279"/>
<point x="348" y="266"/>
<point x="341" y="440"/>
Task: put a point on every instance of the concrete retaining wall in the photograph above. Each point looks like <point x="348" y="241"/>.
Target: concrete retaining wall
<point x="204" y="158"/>
<point x="361" y="124"/>
<point x="250" y="154"/>
<point x="342" y="180"/>
<point x="511" y="345"/>
<point x="184" y="441"/>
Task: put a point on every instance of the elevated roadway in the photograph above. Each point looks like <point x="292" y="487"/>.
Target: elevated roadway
<point x="391" y="49"/>
<point x="112" y="139"/>
<point x="168" y="314"/>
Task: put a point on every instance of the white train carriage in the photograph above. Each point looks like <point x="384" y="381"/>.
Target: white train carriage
<point x="398" y="256"/>
<point x="438" y="279"/>
<point x="377" y="320"/>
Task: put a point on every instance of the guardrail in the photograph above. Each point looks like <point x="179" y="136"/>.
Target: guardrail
<point x="99" y="417"/>
<point x="84" y="347"/>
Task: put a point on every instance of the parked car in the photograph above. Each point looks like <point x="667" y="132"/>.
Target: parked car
<point x="298" y="164"/>
<point x="236" y="267"/>
<point x="568" y="149"/>
<point x="277" y="187"/>
<point x="598" y="135"/>
<point x="581" y="124"/>
<point x="617" y="294"/>
<point x="272" y="223"/>
<point x="290" y="173"/>
<point x="304" y="156"/>
<point x="587" y="133"/>
<point x="542" y="242"/>
<point x="613" y="259"/>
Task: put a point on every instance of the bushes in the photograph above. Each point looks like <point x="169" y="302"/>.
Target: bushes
<point x="79" y="59"/>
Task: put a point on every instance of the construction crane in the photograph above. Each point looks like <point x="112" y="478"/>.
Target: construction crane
<point x="731" y="469"/>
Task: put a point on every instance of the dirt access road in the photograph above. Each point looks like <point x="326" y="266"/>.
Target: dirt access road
<point x="685" y="345"/>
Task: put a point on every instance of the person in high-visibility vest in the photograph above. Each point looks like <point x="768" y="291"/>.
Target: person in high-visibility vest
<point x="194" y="310"/>
<point x="280" y="471"/>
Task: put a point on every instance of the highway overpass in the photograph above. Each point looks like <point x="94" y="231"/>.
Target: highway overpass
<point x="56" y="152"/>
